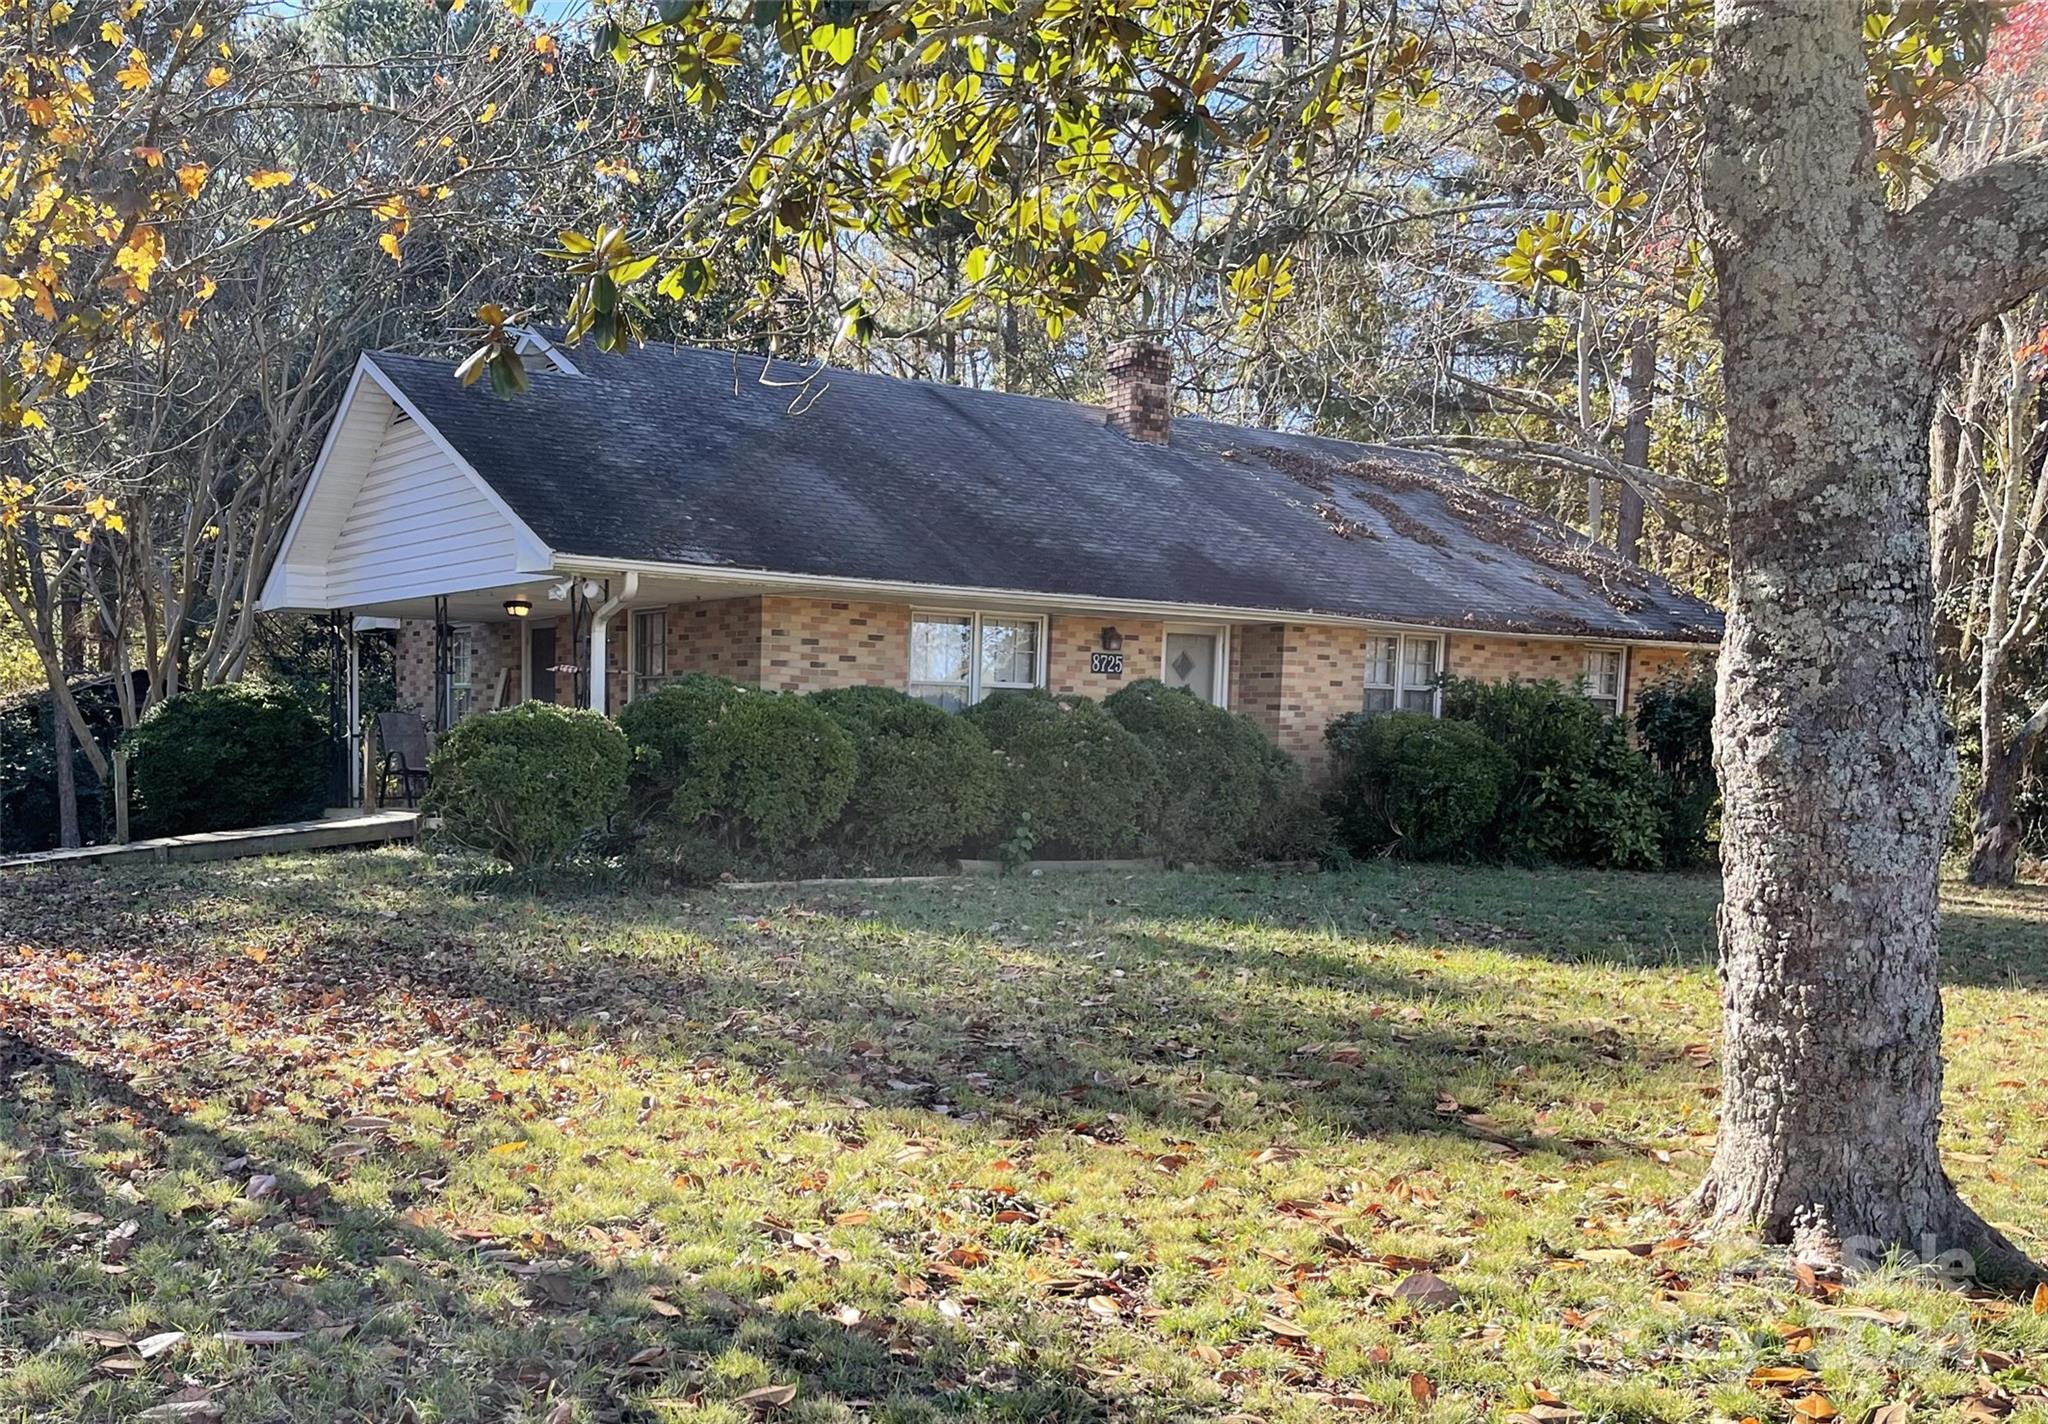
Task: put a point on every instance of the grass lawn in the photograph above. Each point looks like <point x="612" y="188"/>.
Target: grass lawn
<point x="1407" y="1143"/>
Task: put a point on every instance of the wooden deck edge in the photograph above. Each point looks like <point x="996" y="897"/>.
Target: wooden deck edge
<point x="379" y="828"/>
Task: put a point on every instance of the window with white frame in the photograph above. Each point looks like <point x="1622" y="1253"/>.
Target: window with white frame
<point x="650" y="649"/>
<point x="1421" y="662"/>
<point x="1382" y="672"/>
<point x="956" y="659"/>
<point x="1602" y="682"/>
<point x="461" y="672"/>
<point x="1401" y="672"/>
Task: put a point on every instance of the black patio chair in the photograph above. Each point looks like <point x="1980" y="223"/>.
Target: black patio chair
<point x="403" y="737"/>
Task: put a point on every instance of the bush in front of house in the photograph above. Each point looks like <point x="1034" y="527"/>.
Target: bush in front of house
<point x="1674" y="725"/>
<point x="770" y="771"/>
<point x="662" y="728"/>
<point x="1291" y="823"/>
<point x="1075" y="782"/>
<point x="1581" y="793"/>
<point x="1420" y="787"/>
<point x="221" y="758"/>
<point x="529" y="783"/>
<point x="1211" y="769"/>
<point x="928" y="781"/>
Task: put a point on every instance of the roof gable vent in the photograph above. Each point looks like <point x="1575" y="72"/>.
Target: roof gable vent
<point x="540" y="356"/>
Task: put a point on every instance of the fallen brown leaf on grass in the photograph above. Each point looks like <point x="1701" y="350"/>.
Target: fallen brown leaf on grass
<point x="767" y="1397"/>
<point x="1425" y="1290"/>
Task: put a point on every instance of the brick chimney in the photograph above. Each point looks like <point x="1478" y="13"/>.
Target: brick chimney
<point x="1141" y="388"/>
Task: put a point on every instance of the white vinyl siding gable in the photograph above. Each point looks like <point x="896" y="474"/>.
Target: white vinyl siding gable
<point x="419" y="525"/>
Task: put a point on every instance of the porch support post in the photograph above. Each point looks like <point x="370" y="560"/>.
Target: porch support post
<point x="600" y="620"/>
<point x="444" y="666"/>
<point x="354" y="713"/>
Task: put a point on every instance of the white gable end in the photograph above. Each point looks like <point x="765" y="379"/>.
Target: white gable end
<point x="392" y="513"/>
<point x="419" y="525"/>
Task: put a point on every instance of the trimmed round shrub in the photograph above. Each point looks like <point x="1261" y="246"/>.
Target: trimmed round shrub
<point x="220" y="758"/>
<point x="770" y="770"/>
<point x="1075" y="782"/>
<point x="529" y="783"/>
<point x="662" y="727"/>
<point x="1421" y="787"/>
<point x="928" y="781"/>
<point x="1211" y="768"/>
<point x="1581" y="793"/>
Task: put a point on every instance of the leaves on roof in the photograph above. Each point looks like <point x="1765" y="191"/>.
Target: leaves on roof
<point x="1491" y="518"/>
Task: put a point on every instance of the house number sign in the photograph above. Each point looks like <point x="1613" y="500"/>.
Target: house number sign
<point x="1106" y="664"/>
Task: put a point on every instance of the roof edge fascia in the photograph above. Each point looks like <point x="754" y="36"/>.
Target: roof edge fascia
<point x="938" y="595"/>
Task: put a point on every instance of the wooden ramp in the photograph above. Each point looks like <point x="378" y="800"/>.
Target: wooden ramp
<point x="343" y="829"/>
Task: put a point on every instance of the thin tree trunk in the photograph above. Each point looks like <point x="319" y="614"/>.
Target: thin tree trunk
<point x="65" y="766"/>
<point x="1635" y="439"/>
<point x="60" y="728"/>
<point x="1836" y="763"/>
<point x="1995" y="842"/>
<point x="1958" y="490"/>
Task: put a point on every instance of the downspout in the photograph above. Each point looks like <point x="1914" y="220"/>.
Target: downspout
<point x="599" y="622"/>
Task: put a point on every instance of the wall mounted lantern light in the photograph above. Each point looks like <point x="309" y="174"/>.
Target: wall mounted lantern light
<point x="1112" y="641"/>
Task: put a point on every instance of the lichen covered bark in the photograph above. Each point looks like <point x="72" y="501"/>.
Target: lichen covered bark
<point x="1836" y="762"/>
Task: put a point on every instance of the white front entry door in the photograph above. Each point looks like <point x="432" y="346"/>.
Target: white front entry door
<point x="1194" y="661"/>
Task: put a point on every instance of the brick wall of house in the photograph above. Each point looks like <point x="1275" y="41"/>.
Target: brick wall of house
<point x="1646" y="665"/>
<point x="1072" y="639"/>
<point x="1322" y="677"/>
<point x="496" y="657"/>
<point x="1501" y="658"/>
<point x="809" y="644"/>
<point x="1491" y="658"/>
<point x="1257" y="673"/>
<point x="721" y="637"/>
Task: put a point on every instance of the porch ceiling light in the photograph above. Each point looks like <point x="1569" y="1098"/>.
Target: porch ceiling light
<point x="1112" y="641"/>
<point x="519" y="607"/>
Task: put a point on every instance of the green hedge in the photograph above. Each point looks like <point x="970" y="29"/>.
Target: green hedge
<point x="220" y="758"/>
<point x="28" y="765"/>
<point x="1291" y="823"/>
<point x="528" y="784"/>
<point x="1674" y="724"/>
<point x="770" y="770"/>
<point x="661" y="729"/>
<point x="1075" y="782"/>
<point x="1212" y="769"/>
<point x="928" y="781"/>
<point x="1417" y="786"/>
<point x="1581" y="793"/>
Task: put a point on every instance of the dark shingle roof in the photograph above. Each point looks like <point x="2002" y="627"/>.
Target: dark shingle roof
<point x="672" y="455"/>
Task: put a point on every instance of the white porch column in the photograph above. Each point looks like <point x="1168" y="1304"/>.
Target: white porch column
<point x="354" y="713"/>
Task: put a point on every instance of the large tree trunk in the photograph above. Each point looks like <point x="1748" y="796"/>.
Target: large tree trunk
<point x="1836" y="764"/>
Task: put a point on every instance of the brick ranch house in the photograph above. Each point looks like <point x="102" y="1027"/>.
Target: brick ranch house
<point x="633" y="518"/>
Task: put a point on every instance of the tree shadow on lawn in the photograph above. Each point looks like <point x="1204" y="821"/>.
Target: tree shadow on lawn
<point x="119" y="1212"/>
<point x="1036" y="1023"/>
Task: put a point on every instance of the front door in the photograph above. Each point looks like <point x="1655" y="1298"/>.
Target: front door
<point x="540" y="664"/>
<point x="1191" y="659"/>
